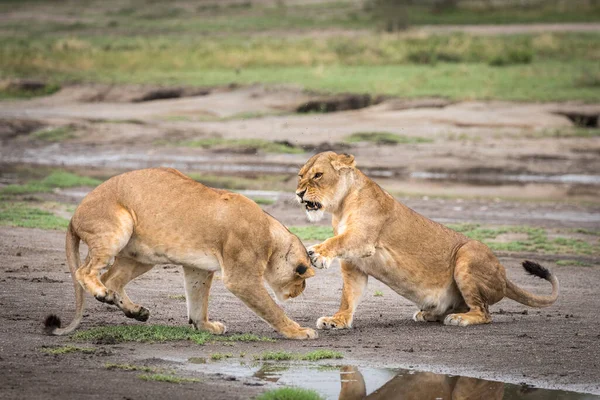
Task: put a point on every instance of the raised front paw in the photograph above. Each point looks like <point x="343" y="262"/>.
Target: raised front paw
<point x="317" y="259"/>
<point x="333" y="323"/>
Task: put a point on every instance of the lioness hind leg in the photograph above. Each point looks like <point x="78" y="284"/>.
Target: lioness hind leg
<point x="427" y="316"/>
<point x="197" y="288"/>
<point x="355" y="282"/>
<point x="480" y="281"/>
<point x="123" y="271"/>
<point x="105" y="238"/>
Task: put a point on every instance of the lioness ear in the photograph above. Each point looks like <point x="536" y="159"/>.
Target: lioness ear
<point x="343" y="161"/>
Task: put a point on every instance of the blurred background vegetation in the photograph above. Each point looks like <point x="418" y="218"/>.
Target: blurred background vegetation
<point x="404" y="48"/>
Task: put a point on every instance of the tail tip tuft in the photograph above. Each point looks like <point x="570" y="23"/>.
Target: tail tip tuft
<point x="51" y="323"/>
<point x="536" y="269"/>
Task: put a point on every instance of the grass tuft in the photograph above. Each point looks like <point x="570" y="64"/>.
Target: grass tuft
<point x="311" y="356"/>
<point x="167" y="378"/>
<point x="220" y="356"/>
<point x="129" y="367"/>
<point x="57" y="179"/>
<point x="312" y="232"/>
<point x="68" y="349"/>
<point x="384" y="138"/>
<point x="159" y="333"/>
<point x="249" y="145"/>
<point x="537" y="240"/>
<point x="54" y="134"/>
<point x="289" y="393"/>
<point x="22" y="215"/>
<point x="378" y="293"/>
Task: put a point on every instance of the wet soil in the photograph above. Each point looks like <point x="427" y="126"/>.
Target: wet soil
<point x="556" y="347"/>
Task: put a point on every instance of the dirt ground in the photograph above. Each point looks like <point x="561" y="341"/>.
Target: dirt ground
<point x="502" y="164"/>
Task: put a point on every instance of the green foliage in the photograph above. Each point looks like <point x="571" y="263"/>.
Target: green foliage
<point x="537" y="240"/>
<point x="311" y="356"/>
<point x="321" y="355"/>
<point x="384" y="138"/>
<point x="129" y="367"/>
<point x="312" y="232"/>
<point x="378" y="293"/>
<point x="23" y="215"/>
<point x="244" y="144"/>
<point x="220" y="356"/>
<point x="67" y="349"/>
<point x="575" y="263"/>
<point x="177" y="297"/>
<point x="289" y="393"/>
<point x="8" y="92"/>
<point x="158" y="333"/>
<point x="167" y="378"/>
<point x="263" y="201"/>
<point x="276" y="356"/>
<point x="512" y="57"/>
<point x="54" y="134"/>
<point x="57" y="179"/>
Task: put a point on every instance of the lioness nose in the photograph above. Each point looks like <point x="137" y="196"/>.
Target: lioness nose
<point x="301" y="194"/>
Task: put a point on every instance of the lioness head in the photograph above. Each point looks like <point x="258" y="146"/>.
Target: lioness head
<point x="323" y="182"/>
<point x="289" y="266"/>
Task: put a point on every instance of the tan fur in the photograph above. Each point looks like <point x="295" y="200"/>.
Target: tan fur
<point x="158" y="216"/>
<point x="450" y="277"/>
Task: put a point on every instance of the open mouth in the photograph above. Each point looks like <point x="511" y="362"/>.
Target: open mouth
<point x="312" y="205"/>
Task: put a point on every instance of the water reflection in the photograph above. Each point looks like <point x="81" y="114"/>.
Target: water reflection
<point x="350" y="382"/>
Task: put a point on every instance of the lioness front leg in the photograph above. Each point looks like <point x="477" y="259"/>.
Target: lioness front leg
<point x="253" y="293"/>
<point x="355" y="282"/>
<point x="197" y="288"/>
<point x="340" y="246"/>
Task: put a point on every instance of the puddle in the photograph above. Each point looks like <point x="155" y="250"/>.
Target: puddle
<point x="358" y="382"/>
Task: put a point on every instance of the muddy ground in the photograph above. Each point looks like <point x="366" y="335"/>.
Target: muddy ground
<point x="500" y="164"/>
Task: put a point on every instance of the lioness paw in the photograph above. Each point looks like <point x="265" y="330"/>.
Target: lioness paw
<point x="216" y="328"/>
<point x="456" y="320"/>
<point x="317" y="260"/>
<point x="418" y="316"/>
<point x="332" y="323"/>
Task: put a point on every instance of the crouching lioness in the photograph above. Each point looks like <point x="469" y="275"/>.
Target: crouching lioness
<point x="159" y="216"/>
<point x="450" y="277"/>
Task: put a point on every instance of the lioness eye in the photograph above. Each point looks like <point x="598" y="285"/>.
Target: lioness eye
<point x="318" y="175"/>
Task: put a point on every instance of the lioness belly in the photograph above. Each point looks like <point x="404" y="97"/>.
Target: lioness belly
<point x="437" y="293"/>
<point x="147" y="254"/>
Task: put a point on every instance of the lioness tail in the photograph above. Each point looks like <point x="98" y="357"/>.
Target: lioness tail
<point x="529" y="299"/>
<point x="52" y="323"/>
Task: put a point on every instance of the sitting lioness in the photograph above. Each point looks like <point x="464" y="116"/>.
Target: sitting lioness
<point x="159" y="216"/>
<point x="450" y="277"/>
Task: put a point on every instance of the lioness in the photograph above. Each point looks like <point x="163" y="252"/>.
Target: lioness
<point x="450" y="277"/>
<point x="159" y="216"/>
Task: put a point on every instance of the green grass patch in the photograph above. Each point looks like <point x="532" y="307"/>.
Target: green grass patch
<point x="378" y="293"/>
<point x="176" y="297"/>
<point x="574" y="263"/>
<point x="267" y="182"/>
<point x="54" y="134"/>
<point x="167" y="378"/>
<point x="57" y="179"/>
<point x="289" y="393"/>
<point x="263" y="201"/>
<point x="244" y="145"/>
<point x="220" y="356"/>
<point x="321" y="355"/>
<point x="384" y="138"/>
<point x="10" y="92"/>
<point x="312" y="232"/>
<point x="311" y="356"/>
<point x="536" y="240"/>
<point x="129" y="367"/>
<point x="23" y="215"/>
<point x="159" y="333"/>
<point x="67" y="349"/>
